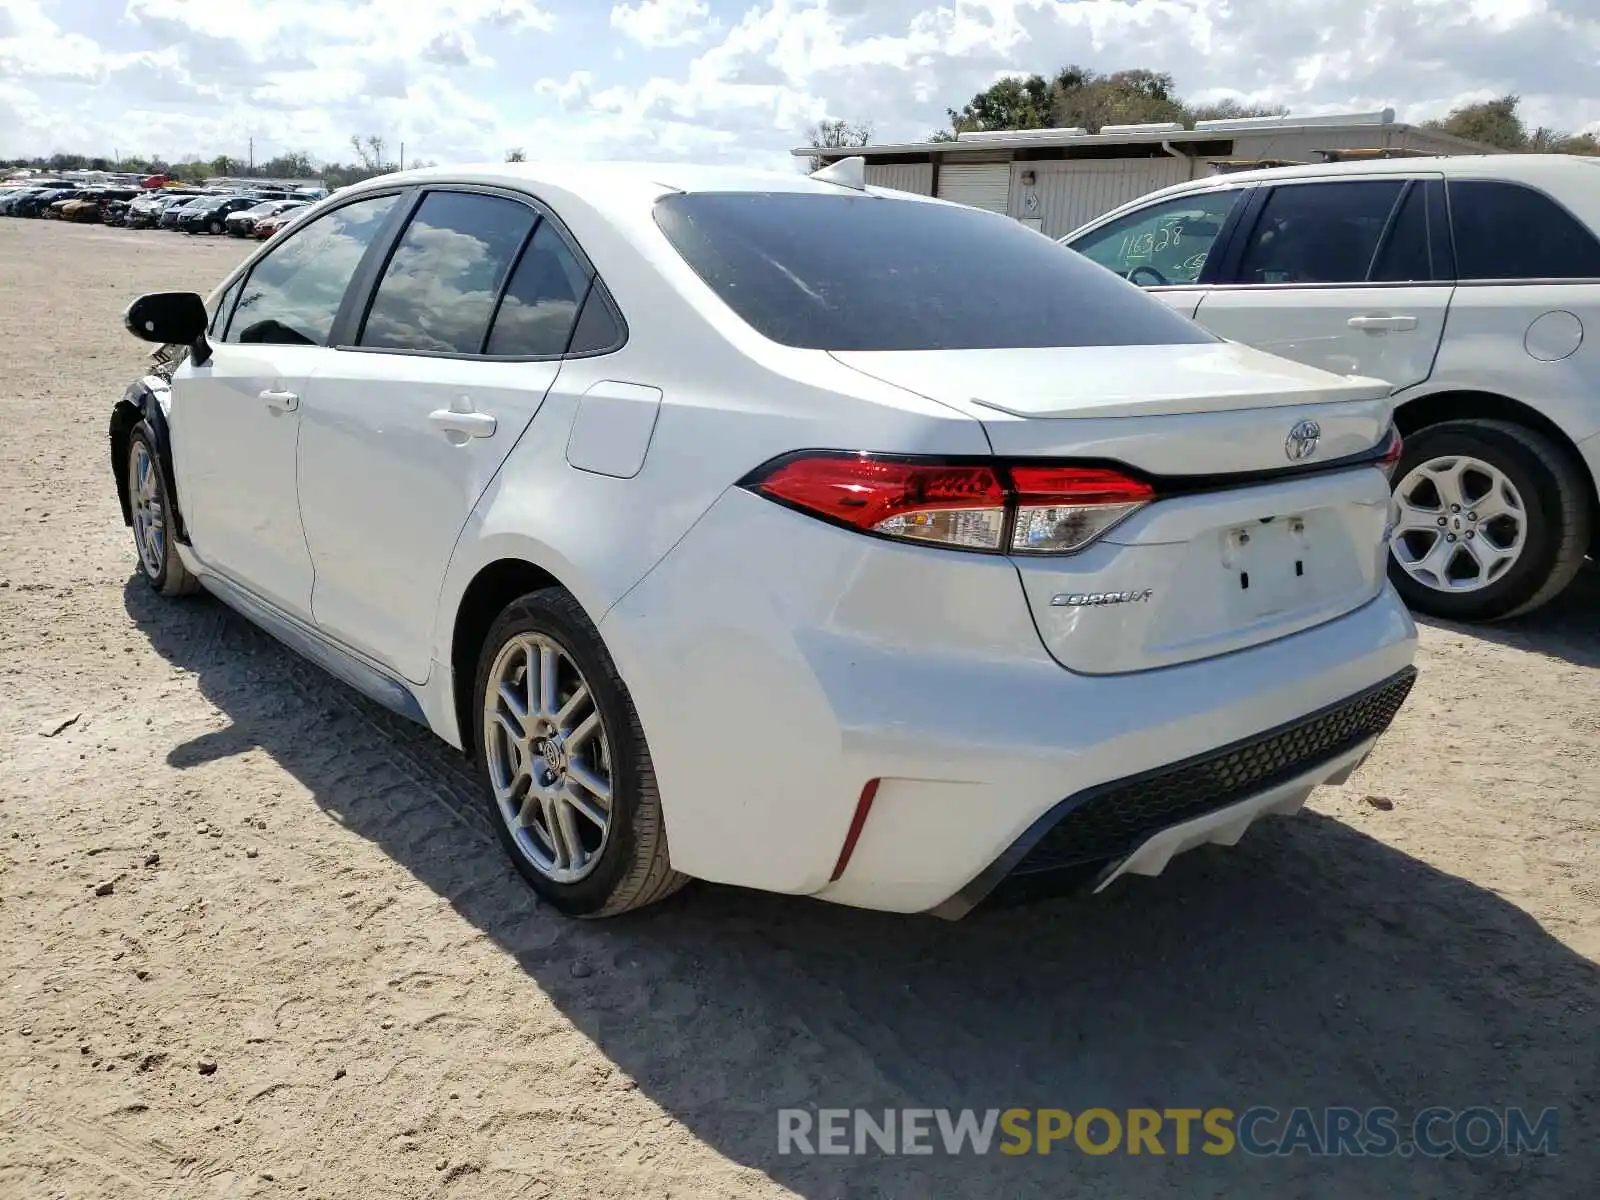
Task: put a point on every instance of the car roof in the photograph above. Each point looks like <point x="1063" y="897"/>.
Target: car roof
<point x="611" y="188"/>
<point x="1568" y="177"/>
<point x="1530" y="168"/>
<point x="662" y="176"/>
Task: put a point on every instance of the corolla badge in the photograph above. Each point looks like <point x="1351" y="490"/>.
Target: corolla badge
<point x="1096" y="599"/>
<point x="1302" y="440"/>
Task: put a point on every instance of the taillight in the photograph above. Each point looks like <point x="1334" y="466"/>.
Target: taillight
<point x="1022" y="509"/>
<point x="1392" y="449"/>
<point x="1062" y="509"/>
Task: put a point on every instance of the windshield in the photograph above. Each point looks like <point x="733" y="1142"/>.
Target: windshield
<point x="865" y="272"/>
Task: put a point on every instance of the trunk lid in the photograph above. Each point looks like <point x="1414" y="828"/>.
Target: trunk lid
<point x="1142" y="405"/>
<point x="1214" y="564"/>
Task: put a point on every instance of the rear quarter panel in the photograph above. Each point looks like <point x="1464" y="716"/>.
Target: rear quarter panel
<point x="1537" y="343"/>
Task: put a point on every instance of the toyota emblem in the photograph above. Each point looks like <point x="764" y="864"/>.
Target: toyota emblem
<point x="1302" y="440"/>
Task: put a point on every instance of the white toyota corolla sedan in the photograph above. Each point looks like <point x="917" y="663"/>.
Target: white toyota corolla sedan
<point x="778" y="531"/>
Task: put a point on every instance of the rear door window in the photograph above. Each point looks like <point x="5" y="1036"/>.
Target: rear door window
<point x="1510" y="231"/>
<point x="1405" y="255"/>
<point x="597" y="330"/>
<point x="1318" y="233"/>
<point x="541" y="304"/>
<point x="438" y="292"/>
<point x="859" y="272"/>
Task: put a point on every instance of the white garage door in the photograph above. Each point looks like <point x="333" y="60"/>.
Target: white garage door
<point x="982" y="185"/>
<point x="904" y="177"/>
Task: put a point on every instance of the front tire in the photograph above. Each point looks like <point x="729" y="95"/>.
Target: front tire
<point x="565" y="767"/>
<point x="1491" y="520"/>
<point x="151" y="514"/>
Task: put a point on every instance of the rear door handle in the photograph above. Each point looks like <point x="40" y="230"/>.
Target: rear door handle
<point x="280" y="401"/>
<point x="1381" y="323"/>
<point x="470" y="424"/>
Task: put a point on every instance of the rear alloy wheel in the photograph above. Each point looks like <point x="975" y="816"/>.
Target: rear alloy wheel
<point x="565" y="763"/>
<point x="150" y="515"/>
<point x="214" y="228"/>
<point x="1490" y="520"/>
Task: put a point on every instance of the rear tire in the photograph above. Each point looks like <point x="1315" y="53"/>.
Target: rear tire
<point x="214" y="228"/>
<point x="151" y="513"/>
<point x="1490" y="567"/>
<point x="547" y="751"/>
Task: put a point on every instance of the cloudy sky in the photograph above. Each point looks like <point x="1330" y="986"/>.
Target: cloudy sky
<point x="466" y="79"/>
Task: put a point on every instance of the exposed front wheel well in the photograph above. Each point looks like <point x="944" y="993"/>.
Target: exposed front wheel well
<point x="123" y="418"/>
<point x="1435" y="409"/>
<point x="494" y="587"/>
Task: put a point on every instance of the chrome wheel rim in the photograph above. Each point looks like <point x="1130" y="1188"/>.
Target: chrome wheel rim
<point x="1459" y="524"/>
<point x="548" y="756"/>
<point x="149" y="515"/>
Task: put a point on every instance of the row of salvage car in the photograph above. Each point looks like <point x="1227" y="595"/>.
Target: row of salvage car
<point x="259" y="212"/>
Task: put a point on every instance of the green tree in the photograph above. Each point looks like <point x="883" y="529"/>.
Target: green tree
<point x="1079" y="97"/>
<point x="1492" y="122"/>
<point x="834" y="135"/>
<point x="294" y="164"/>
<point x="516" y="154"/>
<point x="1232" y="110"/>
<point x="1015" y="102"/>
<point x="1497" y="123"/>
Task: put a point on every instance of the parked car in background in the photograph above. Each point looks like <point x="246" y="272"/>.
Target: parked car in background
<point x="677" y="621"/>
<point x="56" y="209"/>
<point x="145" y="211"/>
<point x="265" y="227"/>
<point x="11" y="196"/>
<point x="242" y="223"/>
<point x="208" y="214"/>
<point x="1471" y="285"/>
<point x="114" y="212"/>
<point x="85" y="209"/>
<point x="17" y="203"/>
<point x="91" y="207"/>
<point x="173" y="213"/>
<point x="39" y="205"/>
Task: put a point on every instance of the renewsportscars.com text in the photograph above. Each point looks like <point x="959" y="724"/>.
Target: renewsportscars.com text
<point x="1260" y="1131"/>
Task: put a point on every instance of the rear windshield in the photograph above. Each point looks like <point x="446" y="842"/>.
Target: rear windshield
<point x="826" y="272"/>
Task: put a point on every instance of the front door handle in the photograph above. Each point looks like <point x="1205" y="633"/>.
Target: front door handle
<point x="280" y="401"/>
<point x="1379" y="323"/>
<point x="468" y="424"/>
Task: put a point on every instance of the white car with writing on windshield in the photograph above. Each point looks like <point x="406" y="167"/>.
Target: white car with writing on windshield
<point x="1471" y="285"/>
<point x="778" y="531"/>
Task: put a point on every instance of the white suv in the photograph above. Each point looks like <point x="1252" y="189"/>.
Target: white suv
<point x="1472" y="285"/>
<point x="778" y="532"/>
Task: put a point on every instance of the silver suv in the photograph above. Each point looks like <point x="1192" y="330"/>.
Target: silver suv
<point x="1472" y="285"/>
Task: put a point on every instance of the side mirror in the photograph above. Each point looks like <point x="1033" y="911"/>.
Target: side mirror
<point x="174" y="318"/>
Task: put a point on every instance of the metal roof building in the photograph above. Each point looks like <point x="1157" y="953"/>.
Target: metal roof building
<point x="1056" y="179"/>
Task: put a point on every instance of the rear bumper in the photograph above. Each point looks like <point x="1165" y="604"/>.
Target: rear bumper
<point x="1138" y="824"/>
<point x="821" y="660"/>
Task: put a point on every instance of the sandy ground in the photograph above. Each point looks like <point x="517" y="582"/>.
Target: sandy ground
<point x="305" y="894"/>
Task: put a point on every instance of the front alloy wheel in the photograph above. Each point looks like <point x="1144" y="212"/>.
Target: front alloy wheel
<point x="150" y="515"/>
